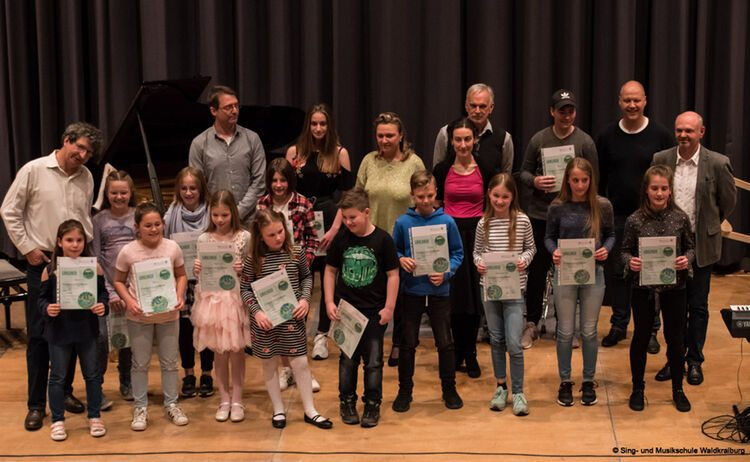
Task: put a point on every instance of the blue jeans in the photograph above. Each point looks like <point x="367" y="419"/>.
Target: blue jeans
<point x="61" y="357"/>
<point x="505" y="323"/>
<point x="370" y="352"/>
<point x="697" y="313"/>
<point x="590" y="297"/>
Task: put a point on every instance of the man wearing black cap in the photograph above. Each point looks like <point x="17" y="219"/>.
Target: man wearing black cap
<point x="561" y="133"/>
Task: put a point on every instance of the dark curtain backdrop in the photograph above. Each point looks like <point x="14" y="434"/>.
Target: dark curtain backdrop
<point x="68" y="60"/>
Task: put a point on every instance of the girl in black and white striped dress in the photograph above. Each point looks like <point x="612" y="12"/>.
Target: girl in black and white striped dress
<point x="272" y="250"/>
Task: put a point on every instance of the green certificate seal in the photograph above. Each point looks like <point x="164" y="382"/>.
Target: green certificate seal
<point x="318" y="225"/>
<point x="283" y="285"/>
<point x="668" y="251"/>
<point x="119" y="340"/>
<point x="567" y="159"/>
<point x="582" y="276"/>
<point x="159" y="304"/>
<point x="510" y="267"/>
<point x="227" y="282"/>
<point x="358" y="327"/>
<point x="667" y="275"/>
<point x="339" y="337"/>
<point x="227" y="257"/>
<point x="86" y="300"/>
<point x="440" y="265"/>
<point x="88" y="273"/>
<point x="286" y="311"/>
<point x="439" y="240"/>
<point x="587" y="253"/>
<point x="164" y="274"/>
<point x="494" y="292"/>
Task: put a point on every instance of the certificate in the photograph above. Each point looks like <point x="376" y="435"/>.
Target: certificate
<point x="76" y="283"/>
<point x="117" y="327"/>
<point x="217" y="266"/>
<point x="187" y="242"/>
<point x="348" y="330"/>
<point x="502" y="281"/>
<point x="657" y="260"/>
<point x="275" y="296"/>
<point x="554" y="161"/>
<point x="429" y="249"/>
<point x="320" y="230"/>
<point x="577" y="266"/>
<point x="155" y="285"/>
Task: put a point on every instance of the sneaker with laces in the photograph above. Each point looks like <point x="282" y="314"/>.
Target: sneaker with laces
<point x="126" y="392"/>
<point x="528" y="335"/>
<point x="140" y="419"/>
<point x="565" y="394"/>
<point x="175" y="414"/>
<point x="371" y="415"/>
<point x="188" y="387"/>
<point x="207" y="386"/>
<point x="315" y="384"/>
<point x="588" y="396"/>
<point x="520" y="406"/>
<point x="636" y="399"/>
<point x="106" y="403"/>
<point x="402" y="403"/>
<point x="286" y="378"/>
<point x="499" y="399"/>
<point x="348" y="411"/>
<point x="320" y="347"/>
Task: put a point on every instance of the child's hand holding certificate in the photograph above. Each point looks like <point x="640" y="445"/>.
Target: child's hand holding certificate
<point x="429" y="249"/>
<point x="657" y="260"/>
<point x="577" y="265"/>
<point x="217" y="266"/>
<point x="275" y="296"/>
<point x="348" y="330"/>
<point x="76" y="283"/>
<point x="502" y="281"/>
<point x="155" y="285"/>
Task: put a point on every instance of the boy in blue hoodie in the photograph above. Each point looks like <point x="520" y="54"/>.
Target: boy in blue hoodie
<point x="426" y="293"/>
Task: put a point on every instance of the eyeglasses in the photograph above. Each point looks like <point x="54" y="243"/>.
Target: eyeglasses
<point x="229" y="107"/>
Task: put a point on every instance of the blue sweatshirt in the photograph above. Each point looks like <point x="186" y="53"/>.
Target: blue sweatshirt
<point x="421" y="285"/>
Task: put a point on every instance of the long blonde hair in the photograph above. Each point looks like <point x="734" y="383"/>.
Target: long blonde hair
<point x="258" y="247"/>
<point x="566" y="195"/>
<point x="328" y="156"/>
<point x="506" y="180"/>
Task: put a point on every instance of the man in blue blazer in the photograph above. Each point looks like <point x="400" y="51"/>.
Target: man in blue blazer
<point x="704" y="188"/>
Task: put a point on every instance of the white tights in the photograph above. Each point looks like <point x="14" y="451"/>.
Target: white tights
<point x="302" y="376"/>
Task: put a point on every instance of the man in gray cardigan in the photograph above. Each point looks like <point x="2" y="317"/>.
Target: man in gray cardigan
<point x="704" y="188"/>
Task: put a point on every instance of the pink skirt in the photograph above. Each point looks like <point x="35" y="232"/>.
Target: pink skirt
<point x="220" y="321"/>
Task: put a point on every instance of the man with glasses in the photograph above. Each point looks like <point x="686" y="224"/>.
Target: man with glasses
<point x="46" y="192"/>
<point x="230" y="156"/>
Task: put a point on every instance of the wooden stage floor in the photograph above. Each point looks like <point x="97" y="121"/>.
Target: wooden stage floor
<point x="428" y="431"/>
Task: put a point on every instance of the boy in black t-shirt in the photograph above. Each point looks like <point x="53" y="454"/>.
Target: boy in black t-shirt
<point x="362" y="268"/>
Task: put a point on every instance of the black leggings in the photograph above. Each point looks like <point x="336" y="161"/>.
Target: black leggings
<point x="187" y="352"/>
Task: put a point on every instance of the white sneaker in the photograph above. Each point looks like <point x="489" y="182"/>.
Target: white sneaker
<point x="320" y="347"/>
<point x="175" y="414"/>
<point x="140" y="419"/>
<point x="315" y="384"/>
<point x="286" y="378"/>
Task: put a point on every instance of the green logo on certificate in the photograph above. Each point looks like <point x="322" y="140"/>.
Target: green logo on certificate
<point x="119" y="340"/>
<point x="286" y="310"/>
<point x="494" y="292"/>
<point x="88" y="273"/>
<point x="164" y="274"/>
<point x="582" y="277"/>
<point x="440" y="265"/>
<point x="283" y="285"/>
<point x="587" y="253"/>
<point x="667" y="275"/>
<point x="567" y="159"/>
<point x="510" y="267"/>
<point x="668" y="251"/>
<point x="227" y="282"/>
<point x="338" y="336"/>
<point x="159" y="304"/>
<point x="358" y="327"/>
<point x="439" y="240"/>
<point x="318" y="225"/>
<point x="227" y="257"/>
<point x="86" y="300"/>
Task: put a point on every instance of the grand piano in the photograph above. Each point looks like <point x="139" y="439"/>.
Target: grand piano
<point x="153" y="140"/>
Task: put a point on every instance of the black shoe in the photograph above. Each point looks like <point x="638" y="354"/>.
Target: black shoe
<point x="664" y="374"/>
<point x="588" y="396"/>
<point x="34" y="420"/>
<point x="279" y="423"/>
<point x="636" y="399"/>
<point x="319" y="421"/>
<point x="188" y="386"/>
<point x="371" y="415"/>
<point x="695" y="374"/>
<point x="565" y="394"/>
<point x="393" y="362"/>
<point x="615" y="335"/>
<point x="680" y="400"/>
<point x="207" y="386"/>
<point x="653" y="345"/>
<point x="451" y="398"/>
<point x="249" y="351"/>
<point x="472" y="367"/>
<point x="401" y="403"/>
<point x="348" y="411"/>
<point x="74" y="405"/>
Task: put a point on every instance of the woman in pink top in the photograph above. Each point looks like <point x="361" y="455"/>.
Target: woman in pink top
<point x="461" y="186"/>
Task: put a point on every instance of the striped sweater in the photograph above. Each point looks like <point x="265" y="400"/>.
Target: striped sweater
<point x="296" y="269"/>
<point x="499" y="241"/>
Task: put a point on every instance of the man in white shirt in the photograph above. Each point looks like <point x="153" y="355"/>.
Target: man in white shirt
<point x="704" y="189"/>
<point x="46" y="192"/>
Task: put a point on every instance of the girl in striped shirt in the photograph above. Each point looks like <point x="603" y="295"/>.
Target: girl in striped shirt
<point x="502" y="228"/>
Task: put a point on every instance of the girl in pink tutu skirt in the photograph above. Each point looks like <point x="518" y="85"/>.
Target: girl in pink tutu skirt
<point x="220" y="321"/>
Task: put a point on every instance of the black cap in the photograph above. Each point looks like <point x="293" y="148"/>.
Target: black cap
<point x="563" y="97"/>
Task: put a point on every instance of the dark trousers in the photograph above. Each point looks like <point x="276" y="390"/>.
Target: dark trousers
<point x="61" y="356"/>
<point x="370" y="353"/>
<point x="439" y="310"/>
<point x="537" y="273"/>
<point x="37" y="349"/>
<point x="319" y="266"/>
<point x="697" y="313"/>
<point x="465" y="328"/>
<point x="672" y="303"/>
<point x="187" y="352"/>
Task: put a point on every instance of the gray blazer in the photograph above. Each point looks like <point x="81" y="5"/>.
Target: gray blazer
<point x="715" y="198"/>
